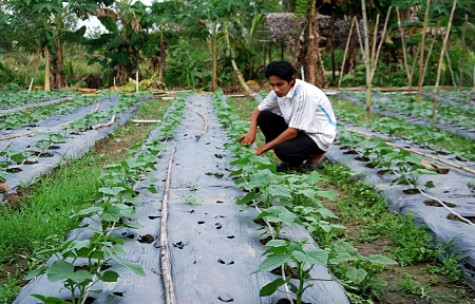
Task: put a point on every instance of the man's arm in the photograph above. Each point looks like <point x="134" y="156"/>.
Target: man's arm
<point x="250" y="136"/>
<point x="288" y="134"/>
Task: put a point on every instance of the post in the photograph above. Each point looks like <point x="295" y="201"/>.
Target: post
<point x="31" y="84"/>
<point x="137" y="81"/>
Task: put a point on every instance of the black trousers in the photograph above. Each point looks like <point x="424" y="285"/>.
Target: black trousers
<point x="294" y="151"/>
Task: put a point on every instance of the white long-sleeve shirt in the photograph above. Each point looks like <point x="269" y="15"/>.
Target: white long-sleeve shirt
<point x="305" y="108"/>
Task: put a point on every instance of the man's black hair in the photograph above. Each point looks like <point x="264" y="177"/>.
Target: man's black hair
<point x="281" y="69"/>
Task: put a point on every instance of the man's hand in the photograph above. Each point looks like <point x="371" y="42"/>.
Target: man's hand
<point x="259" y="150"/>
<point x="247" y="139"/>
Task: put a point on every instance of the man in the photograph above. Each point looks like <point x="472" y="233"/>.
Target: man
<point x="296" y="118"/>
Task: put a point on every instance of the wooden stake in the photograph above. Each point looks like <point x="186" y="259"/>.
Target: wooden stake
<point x="19" y="135"/>
<point x="96" y="108"/>
<point x="441" y="60"/>
<point x="198" y="136"/>
<point x="346" y="51"/>
<point x="107" y="124"/>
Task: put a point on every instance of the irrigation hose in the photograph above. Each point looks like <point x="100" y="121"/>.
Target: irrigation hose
<point x="198" y="136"/>
<point x="164" y="252"/>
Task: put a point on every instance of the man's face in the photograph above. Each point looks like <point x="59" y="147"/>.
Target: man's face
<point x="280" y="86"/>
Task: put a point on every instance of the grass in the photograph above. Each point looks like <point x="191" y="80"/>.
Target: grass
<point x="41" y="218"/>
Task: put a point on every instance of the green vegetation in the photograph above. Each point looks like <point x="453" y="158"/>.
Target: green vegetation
<point x="40" y="221"/>
<point x="394" y="236"/>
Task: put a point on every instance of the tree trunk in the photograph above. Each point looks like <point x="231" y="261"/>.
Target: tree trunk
<point x="311" y="58"/>
<point x="462" y="55"/>
<point x="241" y="80"/>
<point x="421" y="62"/>
<point x="122" y="76"/>
<point x="441" y="60"/>
<point x="212" y="45"/>
<point x="47" y="83"/>
<point x="163" y="59"/>
<point x="59" y="79"/>
<point x="367" y="62"/>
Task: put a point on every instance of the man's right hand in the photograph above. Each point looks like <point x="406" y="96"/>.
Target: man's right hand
<point x="247" y="139"/>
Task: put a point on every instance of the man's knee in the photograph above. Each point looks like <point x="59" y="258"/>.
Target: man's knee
<point x="265" y="116"/>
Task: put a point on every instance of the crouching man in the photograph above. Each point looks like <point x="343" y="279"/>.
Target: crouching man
<point x="296" y="119"/>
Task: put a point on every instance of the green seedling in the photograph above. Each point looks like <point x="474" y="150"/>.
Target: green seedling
<point x="357" y="271"/>
<point x="291" y="254"/>
<point x="279" y="216"/>
<point x="99" y="252"/>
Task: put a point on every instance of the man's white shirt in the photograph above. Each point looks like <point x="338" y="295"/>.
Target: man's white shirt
<point x="305" y="108"/>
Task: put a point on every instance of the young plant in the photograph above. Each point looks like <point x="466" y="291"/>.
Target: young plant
<point x="97" y="253"/>
<point x="356" y="271"/>
<point x="291" y="254"/>
<point x="279" y="216"/>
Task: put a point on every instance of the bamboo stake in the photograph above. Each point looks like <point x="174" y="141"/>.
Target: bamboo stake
<point x="19" y="135"/>
<point x="346" y="51"/>
<point x="107" y="124"/>
<point x="164" y="252"/>
<point x="404" y="52"/>
<point x="6" y="147"/>
<point x="441" y="60"/>
<point x="198" y="136"/>
<point x="449" y="63"/>
<point x="456" y="166"/>
<point x="96" y="108"/>
<point x="423" y="42"/>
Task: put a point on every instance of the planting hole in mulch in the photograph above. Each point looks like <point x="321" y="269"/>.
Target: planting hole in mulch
<point x="179" y="245"/>
<point x="350" y="152"/>
<point x="435" y="203"/>
<point x="54" y="147"/>
<point x="153" y="217"/>
<point x="218" y="226"/>
<point x="286" y="301"/>
<point x="14" y="170"/>
<point x="225" y="299"/>
<point x="362" y="158"/>
<point x="370" y="165"/>
<point x="411" y="191"/>
<point x="30" y="162"/>
<point x="454" y="217"/>
<point x="264" y="241"/>
<point x="118" y="293"/>
<point x="443" y="152"/>
<point x="89" y="300"/>
<point x="146" y="239"/>
<point x="219" y="202"/>
<point x="230" y="237"/>
<point x="201" y="222"/>
<point x="43" y="154"/>
<point x="383" y="171"/>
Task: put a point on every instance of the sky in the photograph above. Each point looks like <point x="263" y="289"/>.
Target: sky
<point x="93" y="22"/>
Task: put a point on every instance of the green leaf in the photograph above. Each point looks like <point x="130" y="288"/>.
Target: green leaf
<point x="273" y="262"/>
<point x="80" y="276"/>
<point x="356" y="275"/>
<point x="50" y="300"/>
<point x="59" y="270"/>
<point x="316" y="256"/>
<point x="112" y="191"/>
<point x="380" y="260"/>
<point x="134" y="267"/>
<point x="109" y="276"/>
<point x="272" y="287"/>
<point x="278" y="190"/>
